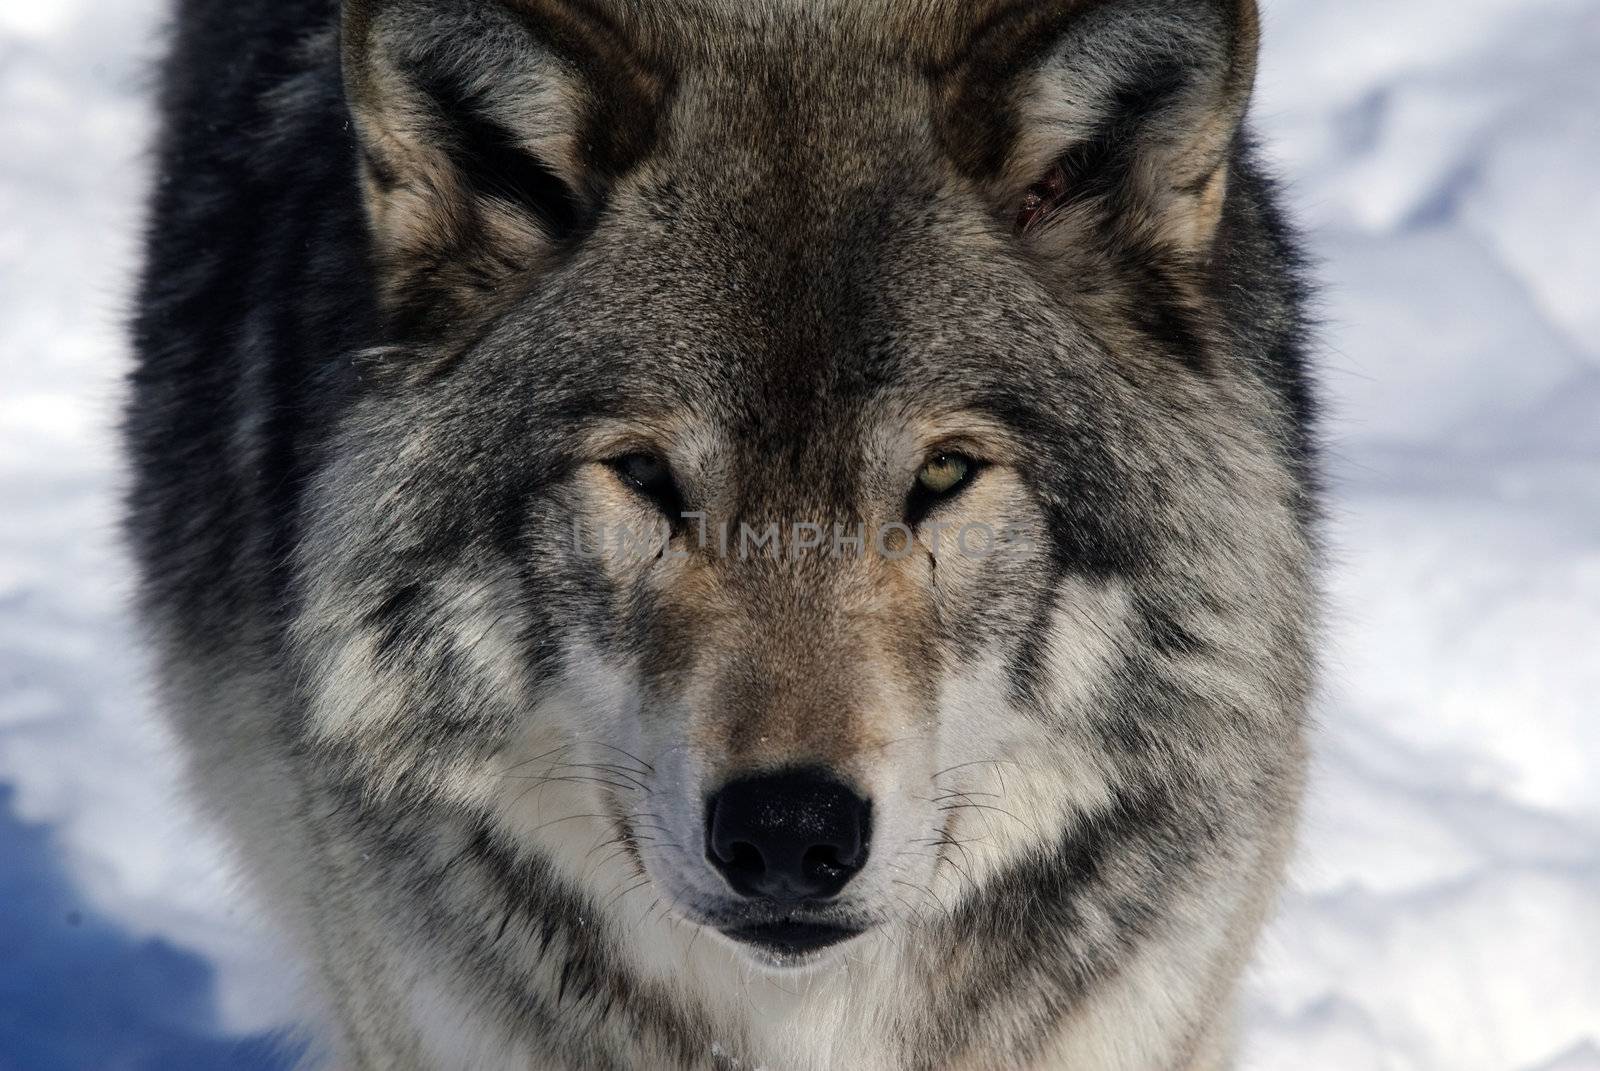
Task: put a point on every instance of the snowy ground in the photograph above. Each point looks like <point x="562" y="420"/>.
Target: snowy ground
<point x="1446" y="912"/>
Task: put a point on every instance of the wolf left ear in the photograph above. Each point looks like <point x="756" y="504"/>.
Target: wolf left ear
<point x="489" y="132"/>
<point x="1119" y="111"/>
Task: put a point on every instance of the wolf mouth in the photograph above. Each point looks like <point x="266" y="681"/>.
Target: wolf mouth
<point x="788" y="941"/>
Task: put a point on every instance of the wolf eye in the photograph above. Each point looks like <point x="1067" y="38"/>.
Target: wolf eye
<point x="650" y="477"/>
<point x="940" y="479"/>
<point x="944" y="473"/>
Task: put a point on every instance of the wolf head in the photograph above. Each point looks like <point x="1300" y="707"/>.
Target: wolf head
<point x="829" y="472"/>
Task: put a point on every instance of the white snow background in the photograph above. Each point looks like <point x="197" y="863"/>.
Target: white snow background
<point x="1445" y="914"/>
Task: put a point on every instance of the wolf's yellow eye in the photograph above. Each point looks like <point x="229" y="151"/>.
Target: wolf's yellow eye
<point x="941" y="478"/>
<point x="944" y="474"/>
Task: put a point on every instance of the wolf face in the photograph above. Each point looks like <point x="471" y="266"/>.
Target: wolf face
<point x="833" y="479"/>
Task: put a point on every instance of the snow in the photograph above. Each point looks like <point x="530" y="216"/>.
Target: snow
<point x="1445" y="909"/>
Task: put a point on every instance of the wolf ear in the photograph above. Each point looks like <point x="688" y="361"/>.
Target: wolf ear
<point x="489" y="132"/>
<point x="1121" y="111"/>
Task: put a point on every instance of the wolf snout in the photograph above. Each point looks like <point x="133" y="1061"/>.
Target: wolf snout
<point x="792" y="837"/>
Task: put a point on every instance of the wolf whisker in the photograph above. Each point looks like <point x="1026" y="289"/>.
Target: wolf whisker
<point x="625" y="754"/>
<point x="956" y="807"/>
<point x="977" y="762"/>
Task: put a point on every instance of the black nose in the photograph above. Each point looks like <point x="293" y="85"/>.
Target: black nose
<point x="791" y="836"/>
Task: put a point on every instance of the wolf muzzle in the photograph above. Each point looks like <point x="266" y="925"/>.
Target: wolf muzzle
<point x="786" y="842"/>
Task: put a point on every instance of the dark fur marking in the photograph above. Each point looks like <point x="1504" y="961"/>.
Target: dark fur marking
<point x="1166" y="632"/>
<point x="981" y="123"/>
<point x="390" y="617"/>
<point x="1051" y="895"/>
<point x="630" y="87"/>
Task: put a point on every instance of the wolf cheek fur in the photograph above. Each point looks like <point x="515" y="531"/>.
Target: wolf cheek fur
<point x="434" y="284"/>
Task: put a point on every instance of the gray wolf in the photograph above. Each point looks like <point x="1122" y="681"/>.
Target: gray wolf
<point x="438" y="293"/>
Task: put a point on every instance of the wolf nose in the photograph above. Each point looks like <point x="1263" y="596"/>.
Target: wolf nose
<point x="792" y="836"/>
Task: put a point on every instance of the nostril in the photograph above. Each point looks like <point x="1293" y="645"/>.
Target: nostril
<point x="745" y="859"/>
<point x="792" y="836"/>
<point x="823" y="863"/>
<point x="824" y="856"/>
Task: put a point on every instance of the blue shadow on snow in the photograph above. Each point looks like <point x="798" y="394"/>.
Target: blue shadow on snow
<point x="79" y="994"/>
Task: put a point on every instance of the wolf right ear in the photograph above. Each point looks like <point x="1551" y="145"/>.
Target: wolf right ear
<point x="489" y="132"/>
<point x="1126" y="112"/>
